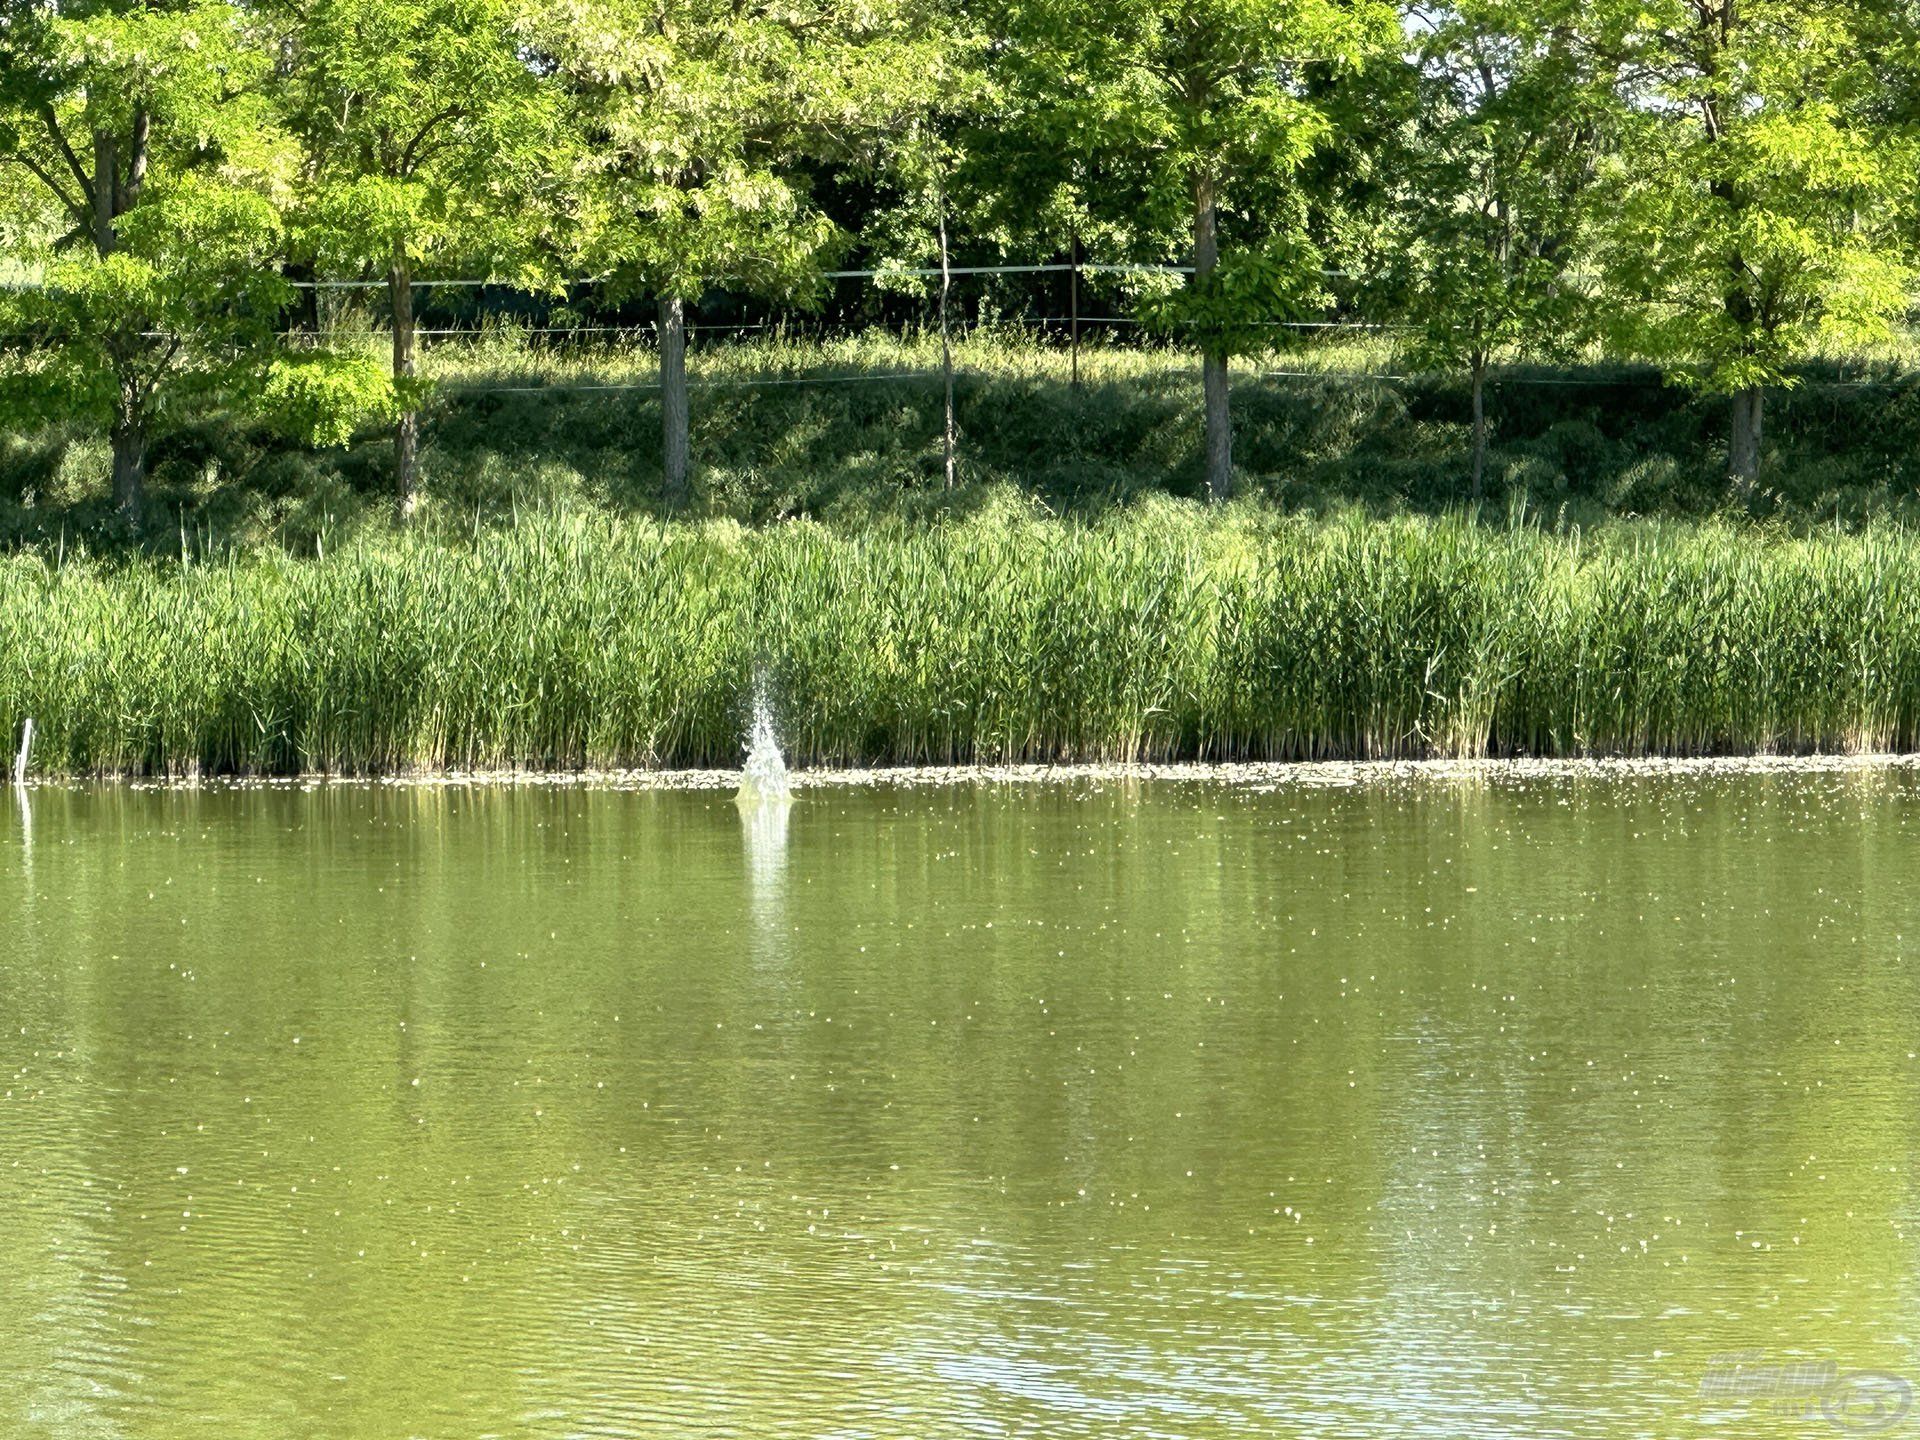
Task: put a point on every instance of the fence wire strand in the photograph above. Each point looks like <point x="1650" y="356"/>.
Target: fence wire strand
<point x="510" y="328"/>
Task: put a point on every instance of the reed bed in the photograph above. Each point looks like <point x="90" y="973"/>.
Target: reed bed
<point x="1159" y="634"/>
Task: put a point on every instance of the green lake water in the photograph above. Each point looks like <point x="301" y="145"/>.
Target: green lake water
<point x="1433" y="1106"/>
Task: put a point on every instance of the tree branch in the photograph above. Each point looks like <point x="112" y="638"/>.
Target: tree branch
<point x="412" y="151"/>
<point x="52" y="122"/>
<point x="74" y="209"/>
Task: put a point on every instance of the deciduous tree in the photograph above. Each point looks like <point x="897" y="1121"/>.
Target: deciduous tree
<point x="144" y="129"/>
<point x="1491" y="195"/>
<point x="1746" y="200"/>
<point x="1204" y="98"/>
<point x="430" y="138"/>
<point x="698" y="119"/>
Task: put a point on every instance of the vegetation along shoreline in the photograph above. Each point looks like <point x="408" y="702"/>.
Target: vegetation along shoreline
<point x="1163" y="633"/>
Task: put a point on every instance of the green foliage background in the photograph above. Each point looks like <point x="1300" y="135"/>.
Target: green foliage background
<point x="1722" y="191"/>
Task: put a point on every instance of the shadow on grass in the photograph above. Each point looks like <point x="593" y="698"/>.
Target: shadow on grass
<point x="1569" y="447"/>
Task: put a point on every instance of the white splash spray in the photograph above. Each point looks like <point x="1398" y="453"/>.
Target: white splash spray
<point x="763" y="779"/>
<point x="765" y="801"/>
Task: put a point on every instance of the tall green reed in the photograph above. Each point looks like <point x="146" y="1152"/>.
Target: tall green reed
<point x="1164" y="633"/>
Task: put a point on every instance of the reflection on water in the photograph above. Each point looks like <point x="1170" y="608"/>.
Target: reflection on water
<point x="763" y="827"/>
<point x="1421" y="1108"/>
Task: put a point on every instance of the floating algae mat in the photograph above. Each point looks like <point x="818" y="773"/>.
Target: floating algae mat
<point x="1477" y="1103"/>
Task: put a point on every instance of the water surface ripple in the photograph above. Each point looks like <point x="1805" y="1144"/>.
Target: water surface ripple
<point x="1439" y="1105"/>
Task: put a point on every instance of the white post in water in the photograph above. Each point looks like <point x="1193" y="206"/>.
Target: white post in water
<point x="26" y="751"/>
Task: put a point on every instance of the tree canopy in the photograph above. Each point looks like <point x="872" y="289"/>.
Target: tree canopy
<point x="1721" y="187"/>
<point x="151" y="147"/>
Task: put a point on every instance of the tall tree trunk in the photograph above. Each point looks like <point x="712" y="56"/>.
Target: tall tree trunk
<point x="406" y="430"/>
<point x="303" y="314"/>
<point x="1479" y="424"/>
<point x="1213" y="378"/>
<point x="946" y="336"/>
<point x="106" y="188"/>
<point x="129" y="458"/>
<point x="675" y="449"/>
<point x="1743" y="447"/>
<point x="1213" y="362"/>
<point x="128" y="435"/>
<point x="142" y="141"/>
<point x="1718" y="111"/>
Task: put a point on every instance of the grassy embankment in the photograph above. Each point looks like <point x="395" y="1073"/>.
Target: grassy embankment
<point x="1162" y="632"/>
<point x="514" y="428"/>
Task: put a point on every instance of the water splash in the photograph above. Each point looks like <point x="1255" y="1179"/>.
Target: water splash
<point x="763" y="779"/>
<point x="765" y="800"/>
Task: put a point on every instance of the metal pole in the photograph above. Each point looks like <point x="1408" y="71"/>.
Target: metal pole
<point x="1074" y="287"/>
<point x="946" y="342"/>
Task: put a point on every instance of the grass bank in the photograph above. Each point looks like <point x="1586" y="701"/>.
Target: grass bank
<point x="1159" y="633"/>
<point x="849" y="431"/>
